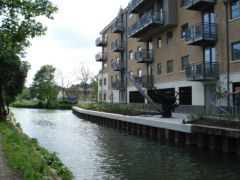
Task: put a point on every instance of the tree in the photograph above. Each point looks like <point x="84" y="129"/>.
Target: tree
<point x="83" y="75"/>
<point x="44" y="87"/>
<point x="13" y="73"/>
<point x="18" y="24"/>
<point x="94" y="84"/>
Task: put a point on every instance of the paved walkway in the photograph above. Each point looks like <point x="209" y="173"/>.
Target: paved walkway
<point x="5" y="172"/>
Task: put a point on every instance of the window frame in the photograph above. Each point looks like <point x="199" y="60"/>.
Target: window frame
<point x="182" y="64"/>
<point x="169" y="37"/>
<point x="233" y="52"/>
<point x="171" y="67"/>
<point x="159" y="68"/>
<point x="231" y="9"/>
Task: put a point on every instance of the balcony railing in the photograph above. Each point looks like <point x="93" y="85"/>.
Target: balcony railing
<point x="135" y="6"/>
<point x="202" y="71"/>
<point x="144" y="56"/>
<point x="146" y="21"/>
<point x="117" y="46"/>
<point x="117" y="65"/>
<point x="101" y="41"/>
<point x="199" y="5"/>
<point x="101" y="56"/>
<point x="202" y="34"/>
<point x="145" y="81"/>
<point x="118" y="27"/>
<point x="117" y="85"/>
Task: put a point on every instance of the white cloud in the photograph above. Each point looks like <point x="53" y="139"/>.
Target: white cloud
<point x="70" y="38"/>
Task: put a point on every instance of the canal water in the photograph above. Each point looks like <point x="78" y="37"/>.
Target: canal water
<point x="96" y="152"/>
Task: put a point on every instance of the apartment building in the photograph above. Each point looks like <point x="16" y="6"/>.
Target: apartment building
<point x="184" y="47"/>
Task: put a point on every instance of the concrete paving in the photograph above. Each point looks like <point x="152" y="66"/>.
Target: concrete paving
<point x="175" y="123"/>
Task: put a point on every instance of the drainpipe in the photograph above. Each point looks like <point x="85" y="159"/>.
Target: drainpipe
<point x="228" y="60"/>
<point x="126" y="54"/>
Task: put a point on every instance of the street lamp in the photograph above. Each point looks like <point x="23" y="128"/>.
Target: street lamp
<point x="225" y="2"/>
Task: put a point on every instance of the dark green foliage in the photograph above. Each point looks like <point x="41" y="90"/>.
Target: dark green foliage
<point x="18" y="24"/>
<point x="29" y="159"/>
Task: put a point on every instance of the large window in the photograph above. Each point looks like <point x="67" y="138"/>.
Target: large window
<point x="236" y="51"/>
<point x="185" y="95"/>
<point x="169" y="37"/>
<point x="170" y="66"/>
<point x="185" y="62"/>
<point x="235" y="8"/>
<point x="184" y="29"/>
<point x="159" y="68"/>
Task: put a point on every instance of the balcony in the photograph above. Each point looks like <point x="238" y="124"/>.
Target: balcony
<point x="101" y="41"/>
<point x="117" y="65"/>
<point x="199" y="5"/>
<point x="117" y="46"/>
<point x="202" y="71"/>
<point x="117" y="85"/>
<point x="101" y="57"/>
<point x="148" y="22"/>
<point x="118" y="27"/>
<point x="144" y="56"/>
<point x="136" y="6"/>
<point x="145" y="81"/>
<point x="202" y="34"/>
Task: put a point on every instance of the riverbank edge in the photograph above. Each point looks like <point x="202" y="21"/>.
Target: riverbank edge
<point x="51" y="166"/>
<point x="215" y="138"/>
<point x="40" y="105"/>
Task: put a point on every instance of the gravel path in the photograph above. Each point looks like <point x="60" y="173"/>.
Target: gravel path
<point x="5" y="172"/>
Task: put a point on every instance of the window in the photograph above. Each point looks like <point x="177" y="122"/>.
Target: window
<point x="105" y="65"/>
<point x="139" y="73"/>
<point x="209" y="54"/>
<point x="185" y="95"/>
<point x="159" y="68"/>
<point x="130" y="57"/>
<point x="169" y="37"/>
<point x="170" y="66"/>
<point x="130" y="15"/>
<point x="236" y="51"/>
<point x="185" y="62"/>
<point x="184" y="2"/>
<point x="159" y="42"/>
<point x="184" y="29"/>
<point x="104" y="81"/>
<point x="235" y="8"/>
<point x="100" y="82"/>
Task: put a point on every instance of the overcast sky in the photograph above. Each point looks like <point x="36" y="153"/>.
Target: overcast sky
<point x="70" y="39"/>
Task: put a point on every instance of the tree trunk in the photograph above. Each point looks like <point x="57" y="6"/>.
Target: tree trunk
<point x="3" y="112"/>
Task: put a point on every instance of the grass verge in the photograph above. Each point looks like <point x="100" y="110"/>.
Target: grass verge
<point x="31" y="161"/>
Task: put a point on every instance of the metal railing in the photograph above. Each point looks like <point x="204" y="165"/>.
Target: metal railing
<point x="189" y="3"/>
<point x="201" y="31"/>
<point x="145" y="20"/>
<point x="101" y="41"/>
<point x="144" y="81"/>
<point x="133" y="4"/>
<point x="117" y="65"/>
<point x="102" y="56"/>
<point x="117" y="46"/>
<point x="145" y="55"/>
<point x="117" y="85"/>
<point x="118" y="27"/>
<point x="202" y="71"/>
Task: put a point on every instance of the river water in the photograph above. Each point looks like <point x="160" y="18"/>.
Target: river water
<point x="96" y="152"/>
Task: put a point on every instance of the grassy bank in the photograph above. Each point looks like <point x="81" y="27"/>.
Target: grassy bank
<point x="31" y="161"/>
<point x="117" y="108"/>
<point x="63" y="105"/>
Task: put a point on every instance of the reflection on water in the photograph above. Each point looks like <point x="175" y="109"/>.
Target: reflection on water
<point x="96" y="152"/>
